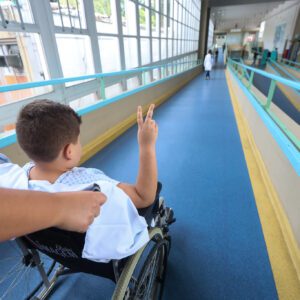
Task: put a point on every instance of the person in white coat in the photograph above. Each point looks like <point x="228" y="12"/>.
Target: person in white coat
<point x="208" y="64"/>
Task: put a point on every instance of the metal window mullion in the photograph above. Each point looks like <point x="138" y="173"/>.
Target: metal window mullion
<point x="150" y="36"/>
<point x="43" y="18"/>
<point x="15" y="27"/>
<point x="167" y="35"/>
<point x="159" y="32"/>
<point x="177" y="35"/>
<point x="67" y="30"/>
<point x="186" y="30"/>
<point x="138" y="35"/>
<point x="91" y="29"/>
<point x="159" y="37"/>
<point x="182" y="28"/>
<point x="2" y="18"/>
<point x="61" y="17"/>
<point x="20" y="14"/>
<point x="70" y="15"/>
<point x="173" y="33"/>
<point x="79" y="17"/>
<point x="121" y="41"/>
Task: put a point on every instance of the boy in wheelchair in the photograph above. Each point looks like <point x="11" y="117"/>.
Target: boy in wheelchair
<point x="129" y="242"/>
<point x="48" y="132"/>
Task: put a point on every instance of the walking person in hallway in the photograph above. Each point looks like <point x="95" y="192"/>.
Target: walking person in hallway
<point x="217" y="54"/>
<point x="208" y="64"/>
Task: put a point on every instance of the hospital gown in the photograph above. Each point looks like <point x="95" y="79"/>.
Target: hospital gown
<point x="116" y="233"/>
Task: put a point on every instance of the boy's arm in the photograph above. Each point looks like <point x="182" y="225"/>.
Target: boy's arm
<point x="143" y="192"/>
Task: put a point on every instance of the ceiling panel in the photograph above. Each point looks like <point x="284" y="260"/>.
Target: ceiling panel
<point x="213" y="3"/>
<point x="245" y="17"/>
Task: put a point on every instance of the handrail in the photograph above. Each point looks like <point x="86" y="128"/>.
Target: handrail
<point x="291" y="62"/>
<point x="285" y="81"/>
<point x="247" y="75"/>
<point x="272" y="61"/>
<point x="10" y="110"/>
<point x="56" y="81"/>
<point x="274" y="78"/>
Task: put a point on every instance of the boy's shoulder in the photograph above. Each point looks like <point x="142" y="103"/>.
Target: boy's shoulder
<point x="78" y="175"/>
<point x="81" y="175"/>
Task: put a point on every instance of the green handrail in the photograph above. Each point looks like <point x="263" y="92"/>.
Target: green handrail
<point x="240" y="69"/>
<point x="289" y="62"/>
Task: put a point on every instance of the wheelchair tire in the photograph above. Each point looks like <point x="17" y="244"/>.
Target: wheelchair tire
<point x="151" y="280"/>
<point x="160" y="250"/>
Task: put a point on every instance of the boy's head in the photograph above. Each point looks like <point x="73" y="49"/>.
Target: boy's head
<point x="47" y="130"/>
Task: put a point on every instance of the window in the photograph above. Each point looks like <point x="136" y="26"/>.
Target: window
<point x="130" y="48"/>
<point x="11" y="11"/>
<point x="22" y="60"/>
<point x="128" y="17"/>
<point x="155" y="23"/>
<point x="152" y="31"/>
<point x="145" y="45"/>
<point x="106" y="16"/>
<point x="68" y="13"/>
<point x="163" y="48"/>
<point x="110" y="54"/>
<point x="155" y="50"/>
<point x="144" y="21"/>
<point x="75" y="54"/>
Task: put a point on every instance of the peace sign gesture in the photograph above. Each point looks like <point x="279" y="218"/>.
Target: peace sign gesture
<point x="148" y="129"/>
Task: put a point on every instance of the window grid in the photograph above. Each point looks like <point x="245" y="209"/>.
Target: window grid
<point x="173" y="25"/>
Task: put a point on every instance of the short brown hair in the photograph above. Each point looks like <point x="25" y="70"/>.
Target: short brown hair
<point x="44" y="127"/>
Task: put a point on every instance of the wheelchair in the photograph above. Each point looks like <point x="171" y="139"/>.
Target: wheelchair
<point x="53" y="253"/>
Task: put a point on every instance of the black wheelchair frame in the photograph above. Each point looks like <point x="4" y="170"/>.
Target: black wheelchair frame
<point x="140" y="276"/>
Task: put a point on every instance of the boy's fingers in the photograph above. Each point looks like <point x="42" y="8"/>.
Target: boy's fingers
<point x="139" y="116"/>
<point x="150" y="112"/>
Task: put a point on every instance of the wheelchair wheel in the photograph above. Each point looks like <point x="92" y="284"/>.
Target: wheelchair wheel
<point x="150" y="282"/>
<point x="20" y="277"/>
<point x="143" y="275"/>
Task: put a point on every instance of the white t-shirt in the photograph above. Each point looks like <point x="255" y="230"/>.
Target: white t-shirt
<point x="116" y="233"/>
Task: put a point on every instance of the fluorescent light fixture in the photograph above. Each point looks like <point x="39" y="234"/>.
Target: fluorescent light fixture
<point x="236" y="30"/>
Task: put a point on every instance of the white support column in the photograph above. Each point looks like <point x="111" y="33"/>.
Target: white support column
<point x="121" y="41"/>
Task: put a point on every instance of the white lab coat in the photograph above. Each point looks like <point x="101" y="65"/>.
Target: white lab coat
<point x="208" y="62"/>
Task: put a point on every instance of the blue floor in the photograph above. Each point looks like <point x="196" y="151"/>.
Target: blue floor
<point x="218" y="249"/>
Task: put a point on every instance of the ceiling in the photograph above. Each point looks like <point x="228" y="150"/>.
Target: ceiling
<point x="213" y="3"/>
<point x="246" y="16"/>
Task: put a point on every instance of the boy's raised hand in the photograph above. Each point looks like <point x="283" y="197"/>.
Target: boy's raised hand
<point x="148" y="129"/>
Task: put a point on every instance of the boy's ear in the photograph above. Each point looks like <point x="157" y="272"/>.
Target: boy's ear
<point x="67" y="152"/>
